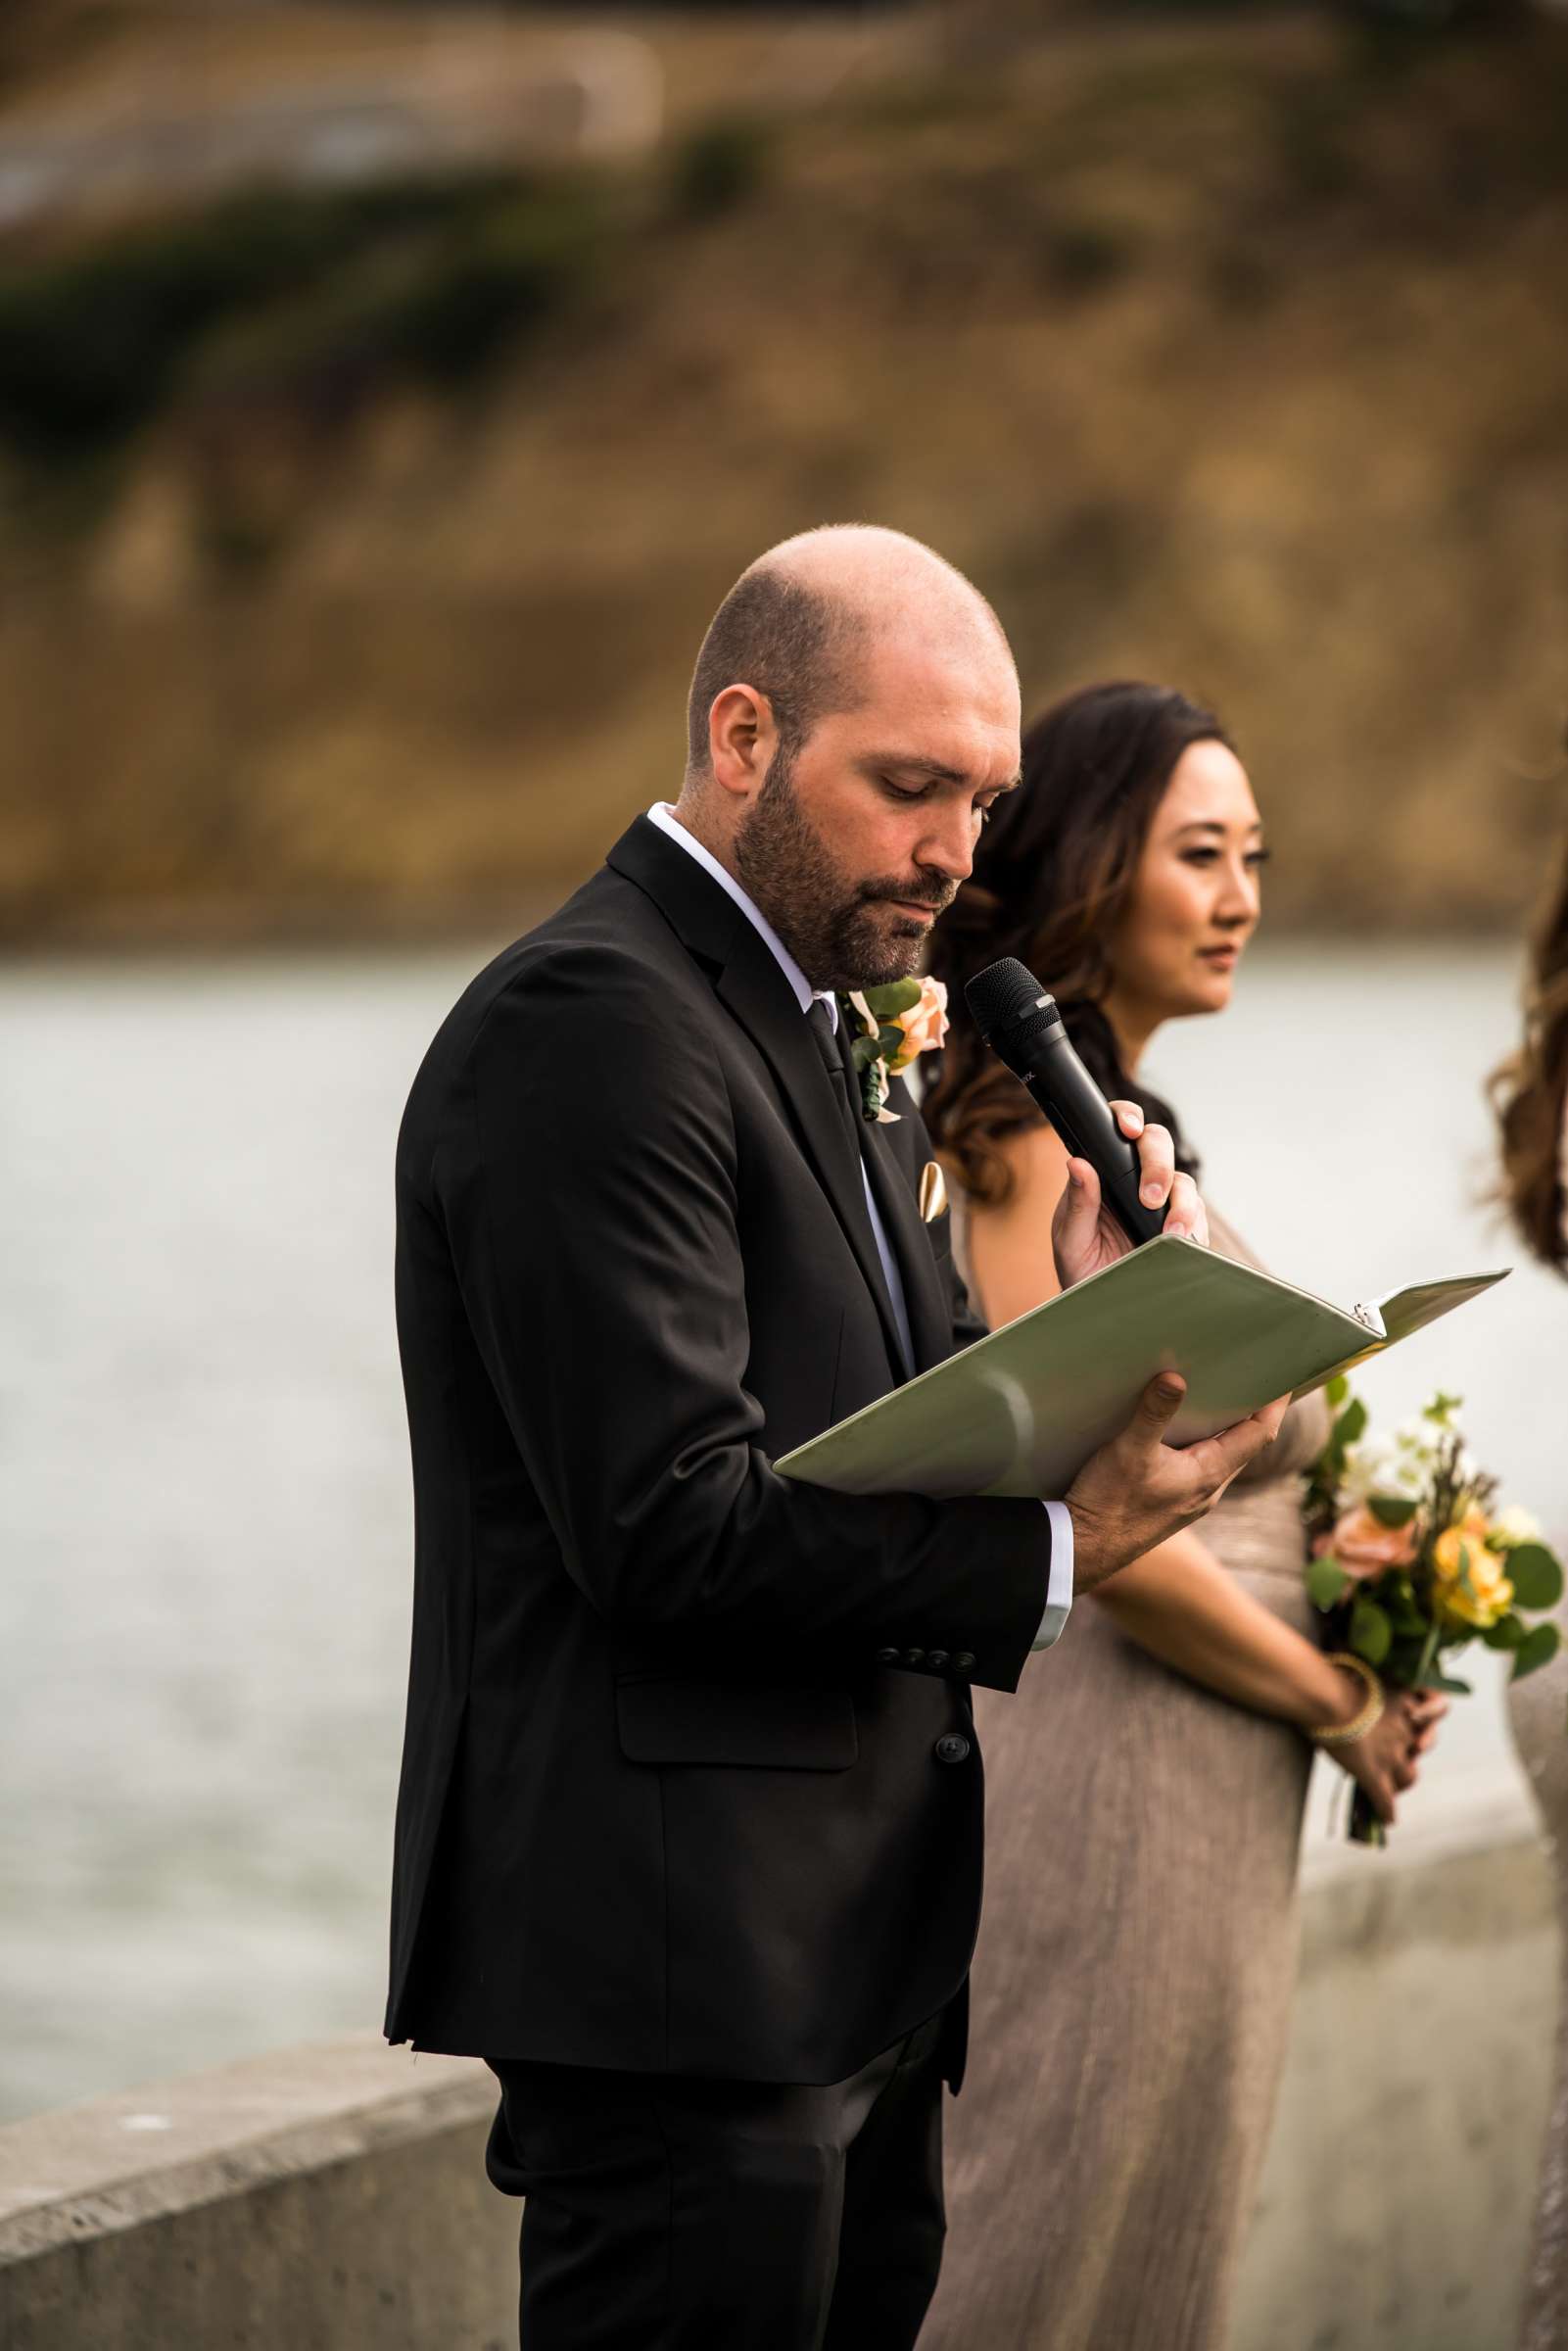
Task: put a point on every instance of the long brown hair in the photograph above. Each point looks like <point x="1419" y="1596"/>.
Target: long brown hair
<point x="1053" y="875"/>
<point x="1530" y="1091"/>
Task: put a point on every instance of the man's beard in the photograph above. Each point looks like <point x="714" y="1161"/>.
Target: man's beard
<point x="826" y="921"/>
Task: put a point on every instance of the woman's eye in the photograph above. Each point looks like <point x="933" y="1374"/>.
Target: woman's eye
<point x="1258" y="857"/>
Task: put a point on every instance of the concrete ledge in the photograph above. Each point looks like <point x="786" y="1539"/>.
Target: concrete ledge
<point x="333" y="2197"/>
<point x="328" y="2196"/>
<point x="1396" y="2203"/>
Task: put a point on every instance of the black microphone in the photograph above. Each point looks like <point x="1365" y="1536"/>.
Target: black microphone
<point x="1022" y="1026"/>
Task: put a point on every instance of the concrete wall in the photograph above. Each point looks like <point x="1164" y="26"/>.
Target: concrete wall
<point x="1398" y="2198"/>
<point x="324" y="2198"/>
<point x="333" y="2198"/>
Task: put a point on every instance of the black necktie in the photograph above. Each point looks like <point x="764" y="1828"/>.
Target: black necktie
<point x="819" y="1020"/>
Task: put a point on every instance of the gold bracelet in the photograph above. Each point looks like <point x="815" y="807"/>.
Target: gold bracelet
<point x="1340" y="1734"/>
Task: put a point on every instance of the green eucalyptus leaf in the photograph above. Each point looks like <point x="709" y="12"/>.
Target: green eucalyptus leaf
<point x="863" y="1051"/>
<point x="1390" y="1512"/>
<point x="1535" y="1574"/>
<point x="1326" y="1579"/>
<point x="1507" y="1633"/>
<point x="1350" y="1422"/>
<point x="1538" y="1648"/>
<point x="1370" y="1631"/>
<point x="1446" y="1681"/>
<point x="1339" y="1388"/>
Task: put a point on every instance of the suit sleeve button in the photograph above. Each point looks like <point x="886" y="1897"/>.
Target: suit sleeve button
<point x="951" y="1748"/>
<point x="962" y="1661"/>
<point x="936" y="1660"/>
<point x="914" y="1657"/>
<point x="888" y="1657"/>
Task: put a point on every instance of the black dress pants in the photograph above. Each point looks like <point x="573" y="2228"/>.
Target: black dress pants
<point x="666" y="2214"/>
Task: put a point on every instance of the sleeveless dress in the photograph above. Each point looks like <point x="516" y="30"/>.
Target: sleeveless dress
<point x="1133" y="1983"/>
<point x="1535" y="1715"/>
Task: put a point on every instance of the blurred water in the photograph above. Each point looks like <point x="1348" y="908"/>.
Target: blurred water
<point x="204" y="1610"/>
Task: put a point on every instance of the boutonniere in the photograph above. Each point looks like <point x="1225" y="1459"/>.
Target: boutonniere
<point x="896" y="1023"/>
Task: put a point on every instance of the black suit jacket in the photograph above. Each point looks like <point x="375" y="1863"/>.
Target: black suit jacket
<point x="664" y="1803"/>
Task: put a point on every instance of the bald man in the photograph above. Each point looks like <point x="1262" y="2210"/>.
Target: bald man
<point x="688" y="1837"/>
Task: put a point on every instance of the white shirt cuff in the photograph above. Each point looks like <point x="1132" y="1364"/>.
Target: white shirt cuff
<point x="1059" y="1583"/>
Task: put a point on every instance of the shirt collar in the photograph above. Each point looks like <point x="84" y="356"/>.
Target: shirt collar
<point x="663" y="815"/>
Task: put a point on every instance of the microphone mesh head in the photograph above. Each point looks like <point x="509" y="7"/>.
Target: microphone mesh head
<point x="1001" y="995"/>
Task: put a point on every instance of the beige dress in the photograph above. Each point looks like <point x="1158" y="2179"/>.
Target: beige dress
<point x="1133" y="1983"/>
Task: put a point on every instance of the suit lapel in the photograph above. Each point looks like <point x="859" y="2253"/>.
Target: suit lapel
<point x="750" y="981"/>
<point x="930" y="1313"/>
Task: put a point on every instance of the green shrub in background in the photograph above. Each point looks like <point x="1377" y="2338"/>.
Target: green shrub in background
<point x="717" y="167"/>
<point x="428" y="277"/>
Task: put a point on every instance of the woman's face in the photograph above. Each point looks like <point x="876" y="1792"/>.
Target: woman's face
<point x="1195" y="896"/>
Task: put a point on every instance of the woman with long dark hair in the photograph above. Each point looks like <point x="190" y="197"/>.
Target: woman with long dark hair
<point x="1136" y="1960"/>
<point x="1530" y="1096"/>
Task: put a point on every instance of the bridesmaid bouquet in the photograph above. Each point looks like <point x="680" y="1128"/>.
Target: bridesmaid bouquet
<point x="1410" y="1561"/>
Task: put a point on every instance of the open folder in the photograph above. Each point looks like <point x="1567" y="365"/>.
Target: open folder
<point x="1021" y="1412"/>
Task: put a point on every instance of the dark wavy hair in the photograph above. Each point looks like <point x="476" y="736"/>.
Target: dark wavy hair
<point x="1053" y="875"/>
<point x="1530" y="1090"/>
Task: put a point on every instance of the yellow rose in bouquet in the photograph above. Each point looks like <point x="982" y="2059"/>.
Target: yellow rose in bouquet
<point x="1470" y="1586"/>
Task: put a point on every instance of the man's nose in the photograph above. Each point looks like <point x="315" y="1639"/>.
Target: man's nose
<point x="948" y="845"/>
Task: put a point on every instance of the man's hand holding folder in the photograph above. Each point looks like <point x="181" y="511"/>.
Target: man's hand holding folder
<point x="1137" y="1490"/>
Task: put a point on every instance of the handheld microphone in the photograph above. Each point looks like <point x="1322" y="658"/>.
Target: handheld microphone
<point x="1022" y="1026"/>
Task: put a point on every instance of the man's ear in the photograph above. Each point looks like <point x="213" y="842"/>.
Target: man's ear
<point x="742" y="739"/>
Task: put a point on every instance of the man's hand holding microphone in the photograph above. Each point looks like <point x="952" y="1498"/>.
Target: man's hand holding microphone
<point x="1123" y="1188"/>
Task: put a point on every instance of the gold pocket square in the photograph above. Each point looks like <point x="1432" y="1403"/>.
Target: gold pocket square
<point x="933" y="1192"/>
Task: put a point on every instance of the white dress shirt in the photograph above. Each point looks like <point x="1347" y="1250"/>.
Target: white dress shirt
<point x="1059" y="1585"/>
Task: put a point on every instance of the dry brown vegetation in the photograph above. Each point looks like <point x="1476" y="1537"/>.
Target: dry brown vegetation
<point x="1236" y="356"/>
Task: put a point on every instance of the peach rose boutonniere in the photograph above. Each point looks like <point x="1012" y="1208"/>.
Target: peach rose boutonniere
<point x="892" y="1026"/>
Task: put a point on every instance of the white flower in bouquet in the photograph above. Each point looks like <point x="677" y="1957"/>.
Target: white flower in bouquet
<point x="1387" y="1466"/>
<point x="1513" y="1526"/>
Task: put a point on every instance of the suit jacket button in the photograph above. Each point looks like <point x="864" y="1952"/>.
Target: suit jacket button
<point x="962" y="1661"/>
<point x="888" y="1657"/>
<point x="937" y="1659"/>
<point x="914" y="1657"/>
<point x="952" y="1748"/>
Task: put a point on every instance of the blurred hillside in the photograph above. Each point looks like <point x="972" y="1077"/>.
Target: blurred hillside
<point x="358" y="541"/>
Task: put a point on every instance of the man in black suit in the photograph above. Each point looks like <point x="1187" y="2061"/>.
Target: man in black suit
<point x="688" y="1837"/>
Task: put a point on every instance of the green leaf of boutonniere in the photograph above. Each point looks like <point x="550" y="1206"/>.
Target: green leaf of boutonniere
<point x="892" y="998"/>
